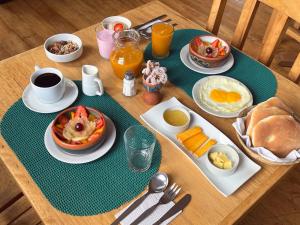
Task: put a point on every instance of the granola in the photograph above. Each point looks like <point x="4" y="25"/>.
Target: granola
<point x="62" y="47"/>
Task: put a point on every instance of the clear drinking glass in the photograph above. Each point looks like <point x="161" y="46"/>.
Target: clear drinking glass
<point x="139" y="145"/>
<point x="162" y="35"/>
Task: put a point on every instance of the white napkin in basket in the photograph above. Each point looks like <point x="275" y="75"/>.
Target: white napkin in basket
<point x="155" y="216"/>
<point x="239" y="126"/>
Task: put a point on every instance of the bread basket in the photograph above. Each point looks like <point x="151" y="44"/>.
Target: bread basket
<point x="253" y="154"/>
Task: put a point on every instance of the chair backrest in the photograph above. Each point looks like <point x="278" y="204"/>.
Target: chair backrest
<point x="283" y="13"/>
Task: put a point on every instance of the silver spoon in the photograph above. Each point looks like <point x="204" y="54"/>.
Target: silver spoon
<point x="158" y="183"/>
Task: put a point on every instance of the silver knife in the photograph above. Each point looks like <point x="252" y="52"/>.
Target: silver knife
<point x="180" y="205"/>
<point x="150" y="21"/>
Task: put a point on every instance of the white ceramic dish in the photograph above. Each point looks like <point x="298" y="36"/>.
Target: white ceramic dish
<point x="116" y="19"/>
<point x="31" y="101"/>
<point x="82" y="156"/>
<point x="198" y="101"/>
<point x="231" y="154"/>
<point x="188" y="62"/>
<point x="176" y="129"/>
<point x="225" y="185"/>
<point x="64" y="37"/>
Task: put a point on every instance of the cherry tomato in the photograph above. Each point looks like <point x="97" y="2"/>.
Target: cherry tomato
<point x="119" y="27"/>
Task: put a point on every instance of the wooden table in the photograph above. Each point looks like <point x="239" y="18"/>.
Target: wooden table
<point x="208" y="206"/>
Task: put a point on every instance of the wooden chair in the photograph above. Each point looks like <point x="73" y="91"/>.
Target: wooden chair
<point x="14" y="206"/>
<point x="283" y="14"/>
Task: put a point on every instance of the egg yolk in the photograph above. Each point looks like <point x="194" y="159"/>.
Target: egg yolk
<point x="224" y="96"/>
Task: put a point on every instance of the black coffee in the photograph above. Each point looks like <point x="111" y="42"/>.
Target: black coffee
<point x="47" y="80"/>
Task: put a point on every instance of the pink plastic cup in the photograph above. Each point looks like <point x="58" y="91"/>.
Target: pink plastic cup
<point x="105" y="42"/>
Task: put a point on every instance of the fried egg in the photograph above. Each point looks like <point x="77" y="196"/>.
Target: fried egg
<point x="224" y="95"/>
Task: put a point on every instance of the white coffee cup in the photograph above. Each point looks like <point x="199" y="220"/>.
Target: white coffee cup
<point x="91" y="84"/>
<point x="50" y="94"/>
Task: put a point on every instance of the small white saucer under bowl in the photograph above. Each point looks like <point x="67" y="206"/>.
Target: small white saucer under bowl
<point x="188" y="62"/>
<point x="84" y="156"/>
<point x="32" y="102"/>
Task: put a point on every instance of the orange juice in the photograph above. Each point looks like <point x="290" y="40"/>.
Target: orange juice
<point x="162" y="34"/>
<point x="127" y="58"/>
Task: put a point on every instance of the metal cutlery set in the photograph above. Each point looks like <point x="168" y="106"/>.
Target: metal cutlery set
<point x="158" y="183"/>
<point x="145" y="29"/>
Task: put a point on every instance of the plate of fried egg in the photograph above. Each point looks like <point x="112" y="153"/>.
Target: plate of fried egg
<point x="221" y="96"/>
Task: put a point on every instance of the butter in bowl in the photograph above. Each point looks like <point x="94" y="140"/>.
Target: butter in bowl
<point x="222" y="160"/>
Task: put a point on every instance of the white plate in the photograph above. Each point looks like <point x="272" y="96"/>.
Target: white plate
<point x="31" y="101"/>
<point x="225" y="185"/>
<point x="198" y="101"/>
<point x="188" y="62"/>
<point x="83" y="156"/>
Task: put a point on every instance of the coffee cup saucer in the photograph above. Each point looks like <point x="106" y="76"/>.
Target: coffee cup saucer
<point x="32" y="102"/>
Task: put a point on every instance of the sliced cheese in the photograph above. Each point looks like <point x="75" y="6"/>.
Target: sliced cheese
<point x="183" y="136"/>
<point x="195" y="141"/>
<point x="200" y="151"/>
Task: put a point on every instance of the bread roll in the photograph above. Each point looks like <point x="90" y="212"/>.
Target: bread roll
<point x="248" y="119"/>
<point x="260" y="113"/>
<point x="280" y="134"/>
<point x="277" y="102"/>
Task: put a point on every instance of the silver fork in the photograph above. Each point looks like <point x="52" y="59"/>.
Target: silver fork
<point x="169" y="195"/>
<point x="148" y="28"/>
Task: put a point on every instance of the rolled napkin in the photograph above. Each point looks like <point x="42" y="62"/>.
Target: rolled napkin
<point x="151" y="200"/>
<point x="239" y="126"/>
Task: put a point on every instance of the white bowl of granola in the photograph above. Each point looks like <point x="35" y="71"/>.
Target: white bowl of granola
<point x="63" y="47"/>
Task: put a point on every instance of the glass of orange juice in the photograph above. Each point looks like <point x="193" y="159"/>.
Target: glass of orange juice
<point x="127" y="56"/>
<point x="162" y="35"/>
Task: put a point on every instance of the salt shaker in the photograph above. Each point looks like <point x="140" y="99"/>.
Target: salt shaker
<point x="129" y="88"/>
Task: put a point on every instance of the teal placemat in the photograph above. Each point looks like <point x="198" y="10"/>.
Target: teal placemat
<point x="259" y="79"/>
<point x="85" y="189"/>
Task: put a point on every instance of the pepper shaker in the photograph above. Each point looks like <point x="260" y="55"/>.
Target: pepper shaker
<point x="129" y="88"/>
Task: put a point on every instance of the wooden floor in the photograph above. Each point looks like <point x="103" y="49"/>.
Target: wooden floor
<point x="25" y="24"/>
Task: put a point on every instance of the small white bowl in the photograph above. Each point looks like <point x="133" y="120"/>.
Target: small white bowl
<point x="114" y="19"/>
<point x="231" y="154"/>
<point x="67" y="57"/>
<point x="176" y="129"/>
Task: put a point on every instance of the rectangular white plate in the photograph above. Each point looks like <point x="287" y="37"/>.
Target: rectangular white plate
<point x="225" y="185"/>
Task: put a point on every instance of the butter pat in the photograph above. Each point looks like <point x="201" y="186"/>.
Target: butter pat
<point x="220" y="160"/>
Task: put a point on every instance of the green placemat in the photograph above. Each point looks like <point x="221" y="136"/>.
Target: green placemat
<point x="84" y="189"/>
<point x="258" y="78"/>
